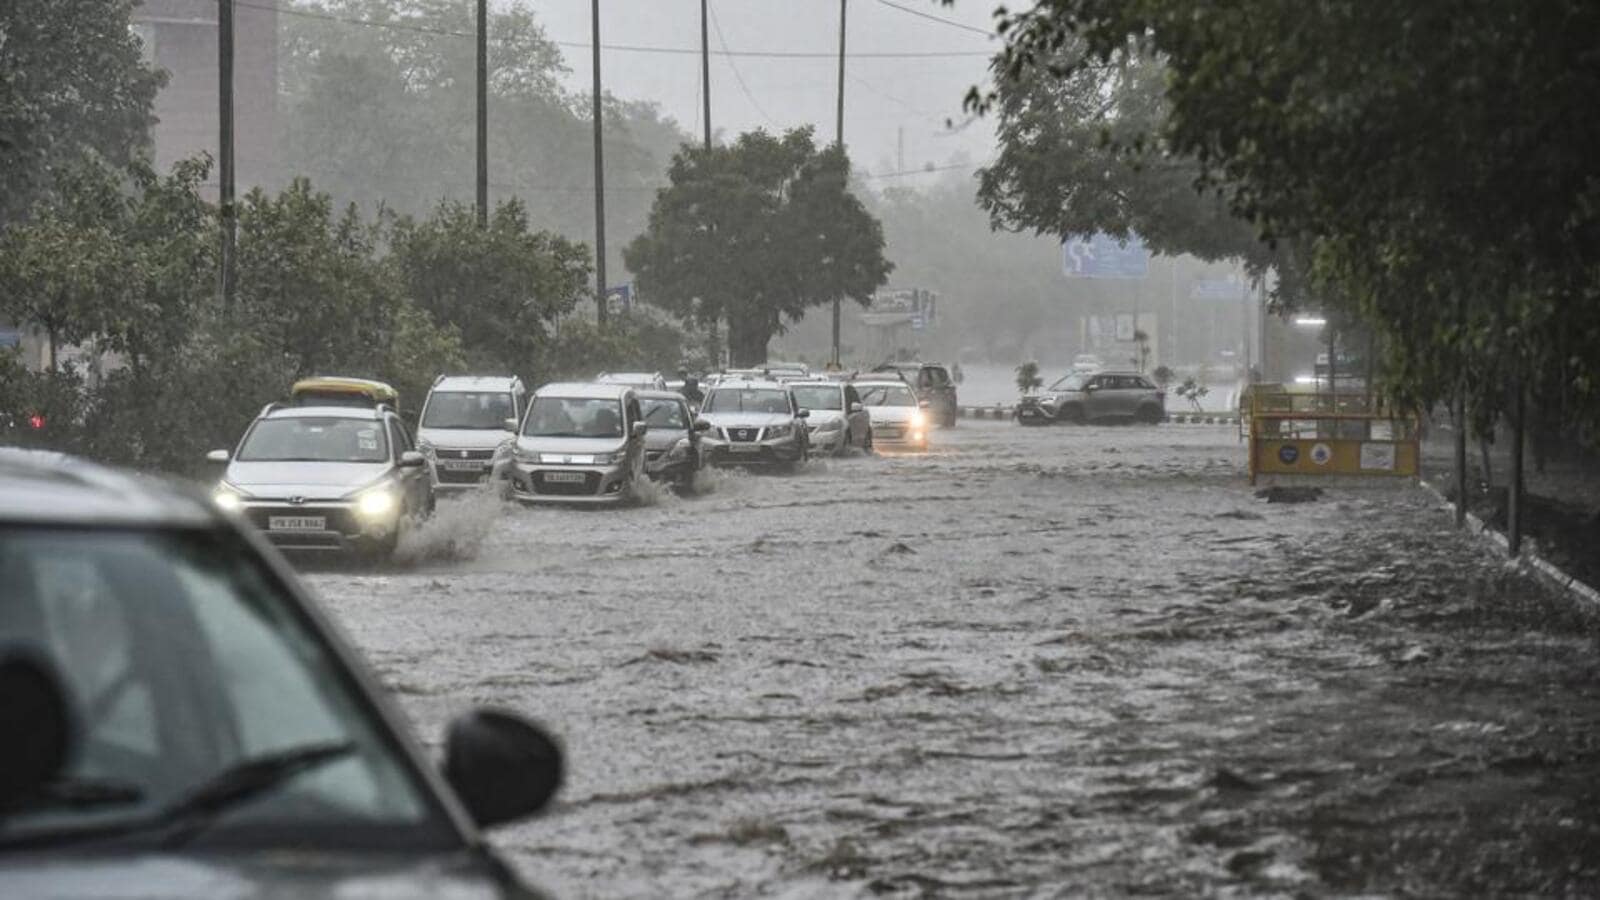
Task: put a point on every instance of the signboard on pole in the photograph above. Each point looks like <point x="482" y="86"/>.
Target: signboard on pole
<point x="1103" y="256"/>
<point x="619" y="298"/>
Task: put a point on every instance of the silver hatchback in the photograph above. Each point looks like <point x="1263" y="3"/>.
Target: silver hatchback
<point x="1096" y="396"/>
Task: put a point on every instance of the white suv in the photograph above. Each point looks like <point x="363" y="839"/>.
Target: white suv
<point x="466" y="423"/>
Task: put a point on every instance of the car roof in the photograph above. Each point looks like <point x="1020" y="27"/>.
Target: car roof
<point x="746" y="384"/>
<point x="368" y="413"/>
<point x="583" y="390"/>
<point x="880" y="382"/>
<point x="660" y="395"/>
<point x="1117" y="372"/>
<point x="813" y="382"/>
<point x="48" y="488"/>
<point x="606" y="377"/>
<point x="474" y="383"/>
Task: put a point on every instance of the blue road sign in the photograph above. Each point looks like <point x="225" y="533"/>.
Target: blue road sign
<point x="1103" y="256"/>
<point x="620" y="297"/>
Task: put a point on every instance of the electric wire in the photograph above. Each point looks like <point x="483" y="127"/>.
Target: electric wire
<point x="933" y="18"/>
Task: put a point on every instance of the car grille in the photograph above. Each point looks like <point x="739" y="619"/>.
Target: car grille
<point x="590" y="482"/>
<point x="744" y="434"/>
<point x="442" y="454"/>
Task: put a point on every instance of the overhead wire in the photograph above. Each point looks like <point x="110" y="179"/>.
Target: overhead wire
<point x="743" y="88"/>
<point x="933" y="18"/>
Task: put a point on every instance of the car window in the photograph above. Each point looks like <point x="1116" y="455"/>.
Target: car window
<point x="1073" y="382"/>
<point x="938" y="376"/>
<point x="319" y="439"/>
<point x="664" y="414"/>
<point x="573" y="417"/>
<point x="748" y="400"/>
<point x="401" y="440"/>
<point x="183" y="659"/>
<point x="888" y="395"/>
<point x="483" y="410"/>
<point x="823" y="396"/>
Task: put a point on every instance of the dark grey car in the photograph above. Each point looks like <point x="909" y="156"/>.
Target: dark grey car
<point x="1096" y="396"/>
<point x="181" y="721"/>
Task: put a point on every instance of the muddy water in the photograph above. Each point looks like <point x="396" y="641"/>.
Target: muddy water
<point x="1035" y="662"/>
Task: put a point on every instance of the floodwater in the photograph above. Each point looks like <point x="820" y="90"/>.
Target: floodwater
<point x="1075" y="661"/>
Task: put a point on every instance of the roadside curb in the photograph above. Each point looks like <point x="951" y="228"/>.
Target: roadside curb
<point x="1542" y="569"/>
<point x="1006" y="412"/>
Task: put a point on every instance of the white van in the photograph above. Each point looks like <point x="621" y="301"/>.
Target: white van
<point x="464" y="425"/>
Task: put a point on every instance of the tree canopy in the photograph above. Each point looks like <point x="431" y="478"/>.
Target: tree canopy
<point x="757" y="232"/>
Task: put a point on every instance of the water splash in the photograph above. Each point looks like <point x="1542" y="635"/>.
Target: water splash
<point x="454" y="532"/>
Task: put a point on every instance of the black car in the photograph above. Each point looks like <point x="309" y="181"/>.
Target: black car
<point x="181" y="721"/>
<point x="933" y="383"/>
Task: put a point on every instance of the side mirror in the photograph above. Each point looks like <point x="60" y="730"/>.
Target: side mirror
<point x="509" y="424"/>
<point x="503" y="767"/>
<point x="218" y="456"/>
<point x="411" y="459"/>
<point x="34" y="712"/>
<point x="702" y="425"/>
<point x="639" y="429"/>
<point x="856" y="407"/>
<point x="924" y="404"/>
<point x="803" y="414"/>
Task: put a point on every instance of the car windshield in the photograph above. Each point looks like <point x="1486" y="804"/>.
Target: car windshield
<point x="1073" y="382"/>
<point x="596" y="417"/>
<point x="747" y="400"/>
<point x="887" y="395"/>
<point x="819" y="397"/>
<point x="663" y="414"/>
<point x="480" y="410"/>
<point x="183" y="658"/>
<point x="316" y="439"/>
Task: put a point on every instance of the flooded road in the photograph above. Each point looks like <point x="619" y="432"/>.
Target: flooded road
<point x="1035" y="662"/>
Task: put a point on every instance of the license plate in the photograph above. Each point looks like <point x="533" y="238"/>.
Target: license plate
<point x="744" y="448"/>
<point x="563" y="477"/>
<point x="296" y="523"/>
<point x="462" y="465"/>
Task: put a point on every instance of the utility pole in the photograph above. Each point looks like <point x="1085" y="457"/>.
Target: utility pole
<point x="900" y="148"/>
<point x="599" y="178"/>
<point x="483" y="113"/>
<point x="705" y="72"/>
<point x="225" y="173"/>
<point x="838" y="133"/>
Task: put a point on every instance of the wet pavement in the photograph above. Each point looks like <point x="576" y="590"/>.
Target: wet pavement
<point x="1035" y="662"/>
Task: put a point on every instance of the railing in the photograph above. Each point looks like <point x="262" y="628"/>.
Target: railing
<point x="1328" y="434"/>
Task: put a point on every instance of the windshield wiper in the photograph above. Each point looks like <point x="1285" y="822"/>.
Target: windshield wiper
<point x="78" y="793"/>
<point x="192" y="813"/>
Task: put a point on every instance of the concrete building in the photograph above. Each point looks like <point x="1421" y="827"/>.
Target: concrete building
<point x="180" y="36"/>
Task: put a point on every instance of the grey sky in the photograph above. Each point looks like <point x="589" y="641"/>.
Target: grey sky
<point x="882" y="94"/>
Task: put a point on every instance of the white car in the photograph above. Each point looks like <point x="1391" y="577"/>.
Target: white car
<point x="463" y="426"/>
<point x="644" y="381"/>
<point x="838" y="419"/>
<point x="754" y="423"/>
<point x="578" y="443"/>
<point x="898" y="417"/>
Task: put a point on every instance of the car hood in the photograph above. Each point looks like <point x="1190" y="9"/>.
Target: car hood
<point x="570" y="445"/>
<point x="263" y="875"/>
<point x="891" y="413"/>
<point x="312" y="480"/>
<point x="747" y="420"/>
<point x="464" y="438"/>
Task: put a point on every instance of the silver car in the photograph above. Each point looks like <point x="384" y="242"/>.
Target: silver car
<point x="578" y="443"/>
<point x="1096" y="396"/>
<point x="899" y="418"/>
<point x="327" y="478"/>
<point x="672" y="450"/>
<point x="462" y="429"/>
<point x="838" y="420"/>
<point x="754" y="423"/>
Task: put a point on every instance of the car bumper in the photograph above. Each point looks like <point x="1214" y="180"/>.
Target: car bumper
<point x="825" y="442"/>
<point x="531" y="483"/>
<point x="752" y="453"/>
<point x="320" y="527"/>
<point x="908" y="436"/>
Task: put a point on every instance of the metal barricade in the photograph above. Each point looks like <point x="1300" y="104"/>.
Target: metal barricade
<point x="1330" y="434"/>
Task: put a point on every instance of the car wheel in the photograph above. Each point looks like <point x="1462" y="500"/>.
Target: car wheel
<point x="1150" y="414"/>
<point x="1071" y="413"/>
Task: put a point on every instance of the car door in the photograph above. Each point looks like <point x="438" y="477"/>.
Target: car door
<point x="415" y="482"/>
<point x="1097" y="397"/>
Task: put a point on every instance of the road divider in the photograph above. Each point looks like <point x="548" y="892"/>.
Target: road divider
<point x="1001" y="411"/>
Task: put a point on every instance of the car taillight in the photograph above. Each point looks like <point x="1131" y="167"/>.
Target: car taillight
<point x="36" y="422"/>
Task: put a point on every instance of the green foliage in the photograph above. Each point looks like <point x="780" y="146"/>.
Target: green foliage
<point x="499" y="287"/>
<point x="1163" y="376"/>
<point x="1028" y="378"/>
<point x="1431" y="162"/>
<point x="757" y="232"/>
<point x="72" y="84"/>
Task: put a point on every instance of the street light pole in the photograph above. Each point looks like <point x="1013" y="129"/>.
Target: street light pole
<point x="225" y="172"/>
<point x="838" y="132"/>
<point x="705" y="72"/>
<point x="483" y="113"/>
<point x="599" y="178"/>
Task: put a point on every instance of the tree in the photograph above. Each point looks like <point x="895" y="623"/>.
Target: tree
<point x="757" y="232"/>
<point x="71" y="83"/>
<point x="1028" y="378"/>
<point x="499" y="287"/>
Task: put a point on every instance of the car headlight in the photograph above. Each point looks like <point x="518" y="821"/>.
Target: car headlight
<point x="918" y="419"/>
<point x="227" y="498"/>
<point x="376" y="503"/>
<point x="779" y="431"/>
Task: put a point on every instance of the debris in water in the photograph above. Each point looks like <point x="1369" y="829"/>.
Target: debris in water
<point x="1285" y="494"/>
